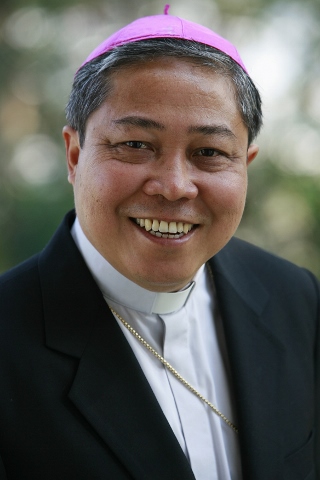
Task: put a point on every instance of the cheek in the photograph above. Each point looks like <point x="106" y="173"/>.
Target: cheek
<point x="103" y="189"/>
<point x="88" y="194"/>
<point x="228" y="193"/>
<point x="91" y="183"/>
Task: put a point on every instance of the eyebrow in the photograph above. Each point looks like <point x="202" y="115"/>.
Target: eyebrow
<point x="139" y="122"/>
<point x="143" y="122"/>
<point x="212" y="130"/>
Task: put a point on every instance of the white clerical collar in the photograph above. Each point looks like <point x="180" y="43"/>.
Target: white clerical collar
<point x="120" y="289"/>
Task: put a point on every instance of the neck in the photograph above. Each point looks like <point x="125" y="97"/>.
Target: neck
<point x="120" y="289"/>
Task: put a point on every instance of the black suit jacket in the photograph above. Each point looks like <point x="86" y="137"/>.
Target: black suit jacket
<point x="74" y="403"/>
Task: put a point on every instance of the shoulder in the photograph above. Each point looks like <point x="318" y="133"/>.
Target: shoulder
<point x="20" y="289"/>
<point x="23" y="279"/>
<point x="261" y="260"/>
<point x="278" y="275"/>
<point x="20" y="275"/>
<point x="284" y="296"/>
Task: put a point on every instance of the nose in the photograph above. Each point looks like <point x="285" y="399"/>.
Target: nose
<point x="172" y="177"/>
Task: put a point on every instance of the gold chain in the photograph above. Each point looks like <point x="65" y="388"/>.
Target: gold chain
<point x="173" y="370"/>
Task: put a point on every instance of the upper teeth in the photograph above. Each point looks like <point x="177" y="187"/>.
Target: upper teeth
<point x="177" y="229"/>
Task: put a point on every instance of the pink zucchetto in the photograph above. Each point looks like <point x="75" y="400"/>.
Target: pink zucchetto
<point x="165" y="26"/>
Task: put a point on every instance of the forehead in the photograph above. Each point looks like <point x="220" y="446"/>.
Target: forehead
<point x="164" y="65"/>
<point x="174" y="83"/>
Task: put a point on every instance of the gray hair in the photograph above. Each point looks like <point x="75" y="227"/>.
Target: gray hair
<point x="93" y="82"/>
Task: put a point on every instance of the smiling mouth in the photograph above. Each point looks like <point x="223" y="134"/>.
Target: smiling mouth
<point x="163" y="229"/>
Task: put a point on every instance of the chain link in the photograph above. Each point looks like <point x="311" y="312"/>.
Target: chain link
<point x="174" y="372"/>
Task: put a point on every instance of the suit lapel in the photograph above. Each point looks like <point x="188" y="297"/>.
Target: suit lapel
<point x="109" y="389"/>
<point x="112" y="393"/>
<point x="256" y="359"/>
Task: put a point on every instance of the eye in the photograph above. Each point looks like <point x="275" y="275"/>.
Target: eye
<point x="208" y="152"/>
<point x="136" y="144"/>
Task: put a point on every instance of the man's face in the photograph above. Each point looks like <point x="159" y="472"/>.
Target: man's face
<point x="160" y="183"/>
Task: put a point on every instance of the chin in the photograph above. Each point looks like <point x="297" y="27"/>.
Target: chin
<point x="163" y="284"/>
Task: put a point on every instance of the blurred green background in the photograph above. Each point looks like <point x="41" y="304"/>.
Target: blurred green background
<point x="42" y="43"/>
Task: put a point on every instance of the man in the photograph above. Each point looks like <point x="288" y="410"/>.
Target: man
<point x="145" y="342"/>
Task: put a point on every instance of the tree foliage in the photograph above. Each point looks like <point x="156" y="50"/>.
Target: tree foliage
<point x="42" y="43"/>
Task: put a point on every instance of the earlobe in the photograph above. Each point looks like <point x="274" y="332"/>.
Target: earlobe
<point x="253" y="151"/>
<point x="72" y="145"/>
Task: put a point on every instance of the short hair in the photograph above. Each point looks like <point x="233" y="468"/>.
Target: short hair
<point x="93" y="81"/>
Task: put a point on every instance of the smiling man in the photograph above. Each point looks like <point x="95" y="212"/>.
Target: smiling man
<point x="166" y="148"/>
<point x="145" y="341"/>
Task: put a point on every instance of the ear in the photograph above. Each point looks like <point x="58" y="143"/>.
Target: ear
<point x="253" y="151"/>
<point x="72" y="144"/>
